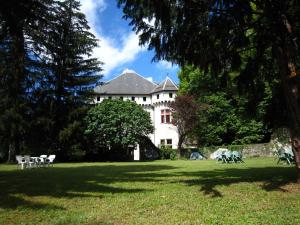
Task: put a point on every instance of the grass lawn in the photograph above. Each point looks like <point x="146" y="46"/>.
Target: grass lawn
<point x="159" y="192"/>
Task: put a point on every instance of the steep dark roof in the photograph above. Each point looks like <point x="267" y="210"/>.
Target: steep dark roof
<point x="127" y="83"/>
<point x="166" y="85"/>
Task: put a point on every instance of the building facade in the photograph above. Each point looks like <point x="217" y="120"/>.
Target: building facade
<point x="154" y="98"/>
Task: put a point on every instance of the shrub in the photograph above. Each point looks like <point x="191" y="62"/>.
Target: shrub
<point x="167" y="153"/>
<point x="173" y="154"/>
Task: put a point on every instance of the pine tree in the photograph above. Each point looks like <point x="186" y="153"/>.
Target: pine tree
<point x="47" y="74"/>
<point x="15" y="17"/>
<point x="65" y="46"/>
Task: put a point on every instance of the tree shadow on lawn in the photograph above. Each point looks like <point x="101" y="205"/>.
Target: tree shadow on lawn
<point x="97" y="180"/>
<point x="72" y="182"/>
<point x="269" y="178"/>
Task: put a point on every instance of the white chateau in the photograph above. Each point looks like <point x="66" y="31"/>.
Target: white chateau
<point x="154" y="98"/>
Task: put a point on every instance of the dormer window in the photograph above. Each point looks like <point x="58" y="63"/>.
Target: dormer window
<point x="170" y="95"/>
<point x="144" y="99"/>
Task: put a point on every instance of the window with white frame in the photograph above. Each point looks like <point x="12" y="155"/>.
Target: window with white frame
<point x="166" y="116"/>
<point x="169" y="142"/>
<point x="166" y="142"/>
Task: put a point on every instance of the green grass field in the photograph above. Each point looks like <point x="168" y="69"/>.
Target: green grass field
<point x="159" y="192"/>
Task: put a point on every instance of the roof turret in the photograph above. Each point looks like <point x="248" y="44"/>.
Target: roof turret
<point x="166" y="85"/>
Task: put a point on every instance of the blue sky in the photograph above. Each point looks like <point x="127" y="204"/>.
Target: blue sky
<point x="119" y="49"/>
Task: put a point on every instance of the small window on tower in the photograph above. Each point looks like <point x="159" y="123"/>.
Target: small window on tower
<point x="169" y="141"/>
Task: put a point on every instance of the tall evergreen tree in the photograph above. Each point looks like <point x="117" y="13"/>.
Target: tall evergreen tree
<point x="65" y="46"/>
<point x="47" y="74"/>
<point x="16" y="17"/>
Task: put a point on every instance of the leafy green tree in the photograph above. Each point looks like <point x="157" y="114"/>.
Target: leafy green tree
<point x="117" y="124"/>
<point x="227" y="117"/>
<point x="212" y="35"/>
<point x="224" y="122"/>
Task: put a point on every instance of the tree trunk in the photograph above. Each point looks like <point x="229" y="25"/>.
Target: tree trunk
<point x="11" y="152"/>
<point x="179" y="147"/>
<point x="296" y="150"/>
<point x="291" y="90"/>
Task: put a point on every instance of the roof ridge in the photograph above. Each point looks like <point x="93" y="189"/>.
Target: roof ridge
<point x="145" y="78"/>
<point x="130" y="72"/>
<point x="127" y="82"/>
<point x="165" y="82"/>
<point x="171" y="81"/>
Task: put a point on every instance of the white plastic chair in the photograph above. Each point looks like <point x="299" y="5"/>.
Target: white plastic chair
<point x="21" y="161"/>
<point x="43" y="159"/>
<point x="29" y="162"/>
<point x="50" y="159"/>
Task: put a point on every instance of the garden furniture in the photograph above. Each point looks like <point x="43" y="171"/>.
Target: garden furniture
<point x="50" y="160"/>
<point x="29" y="161"/>
<point x="289" y="158"/>
<point x="237" y="157"/>
<point x="21" y="161"/>
<point x="285" y="155"/>
<point x="227" y="157"/>
<point x="42" y="160"/>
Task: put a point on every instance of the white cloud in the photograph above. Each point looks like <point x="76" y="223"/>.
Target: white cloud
<point x="128" y="71"/>
<point x="150" y="78"/>
<point x="163" y="64"/>
<point x="90" y="8"/>
<point x="112" y="53"/>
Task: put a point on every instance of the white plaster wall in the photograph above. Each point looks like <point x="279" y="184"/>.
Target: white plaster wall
<point x="163" y="96"/>
<point x="162" y="130"/>
<point x="150" y="110"/>
<point x="150" y="99"/>
<point x="138" y="98"/>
